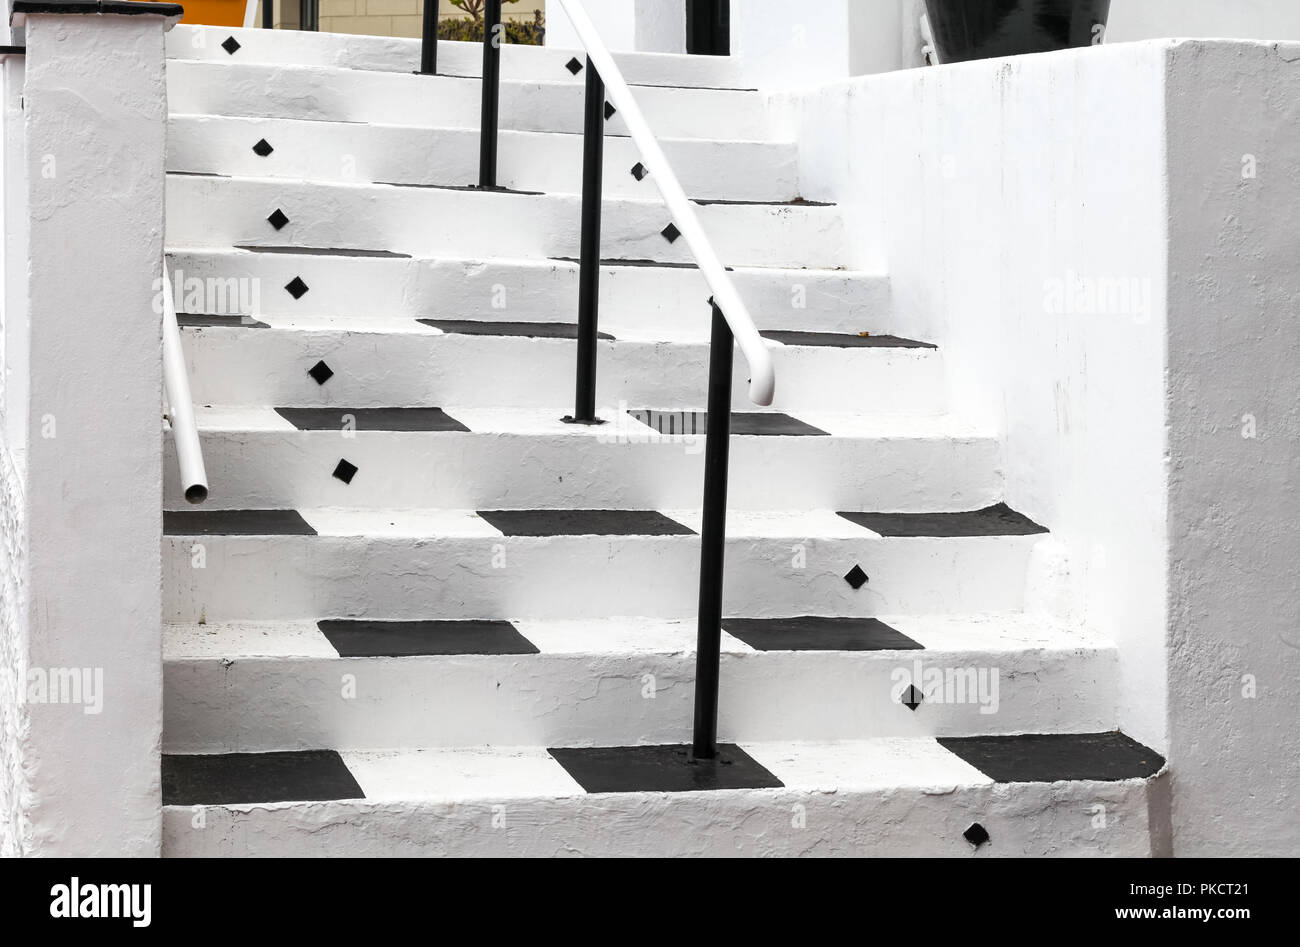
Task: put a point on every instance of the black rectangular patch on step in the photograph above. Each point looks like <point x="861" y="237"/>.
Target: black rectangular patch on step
<point x="234" y="779"/>
<point x="328" y="251"/>
<point x="1055" y="757"/>
<point x="405" y="639"/>
<point x="373" y="419"/>
<point x="844" y="340"/>
<point x="207" y="321"/>
<point x="521" y="330"/>
<point x="998" y="520"/>
<point x="744" y="424"/>
<point x="662" y="769"/>
<point x="818" y="634"/>
<point x="584" y="523"/>
<point x="235" y="523"/>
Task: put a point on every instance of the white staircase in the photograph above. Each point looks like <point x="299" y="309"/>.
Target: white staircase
<point x="301" y="718"/>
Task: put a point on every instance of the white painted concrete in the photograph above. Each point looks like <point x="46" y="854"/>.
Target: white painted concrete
<point x="95" y="454"/>
<point x="1132" y="20"/>
<point x="890" y="798"/>
<point x="261" y="687"/>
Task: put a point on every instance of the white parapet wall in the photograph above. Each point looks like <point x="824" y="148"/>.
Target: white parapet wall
<point x="1101" y="242"/>
<point x="81" y="500"/>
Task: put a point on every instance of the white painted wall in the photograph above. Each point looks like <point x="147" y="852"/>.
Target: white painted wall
<point x="1247" y="19"/>
<point x="91" y="496"/>
<point x="983" y="187"/>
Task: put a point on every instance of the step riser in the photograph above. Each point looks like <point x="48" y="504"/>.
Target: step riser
<point x="640" y="299"/>
<point x="399" y="55"/>
<point x="333" y="95"/>
<point x="1024" y="820"/>
<point x="292" y="577"/>
<point x="226" y="212"/>
<point x="527" y="161"/>
<point x="264" y="705"/>
<point x="293" y="470"/>
<point x="269" y="367"/>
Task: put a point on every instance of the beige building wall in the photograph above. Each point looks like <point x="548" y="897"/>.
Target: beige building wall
<point x="384" y="17"/>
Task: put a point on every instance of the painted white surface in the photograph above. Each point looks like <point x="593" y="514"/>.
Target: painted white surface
<point x="1247" y="19"/>
<point x="889" y="798"/>
<point x="660" y="25"/>
<point x="95" y="454"/>
<point x="259" y="687"/>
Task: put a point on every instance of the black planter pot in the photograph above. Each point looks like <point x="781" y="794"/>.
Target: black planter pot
<point x="987" y="29"/>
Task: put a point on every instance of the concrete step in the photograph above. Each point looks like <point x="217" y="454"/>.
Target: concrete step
<point x="894" y="797"/>
<point x="400" y="55"/>
<point x="550" y="104"/>
<point x="637" y="301"/>
<point x="527" y="161"/>
<point x="530" y="459"/>
<point x="261" y="687"/>
<point x="428" y="221"/>
<point x="463" y="565"/>
<point x="403" y="362"/>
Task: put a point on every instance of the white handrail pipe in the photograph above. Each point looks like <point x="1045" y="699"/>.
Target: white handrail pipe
<point x="762" y="381"/>
<point x="176" y="381"/>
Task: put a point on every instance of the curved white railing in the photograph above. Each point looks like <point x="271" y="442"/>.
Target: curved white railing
<point x="180" y="407"/>
<point x="762" y="382"/>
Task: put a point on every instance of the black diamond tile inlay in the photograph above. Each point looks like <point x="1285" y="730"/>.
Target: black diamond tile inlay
<point x="278" y="219"/>
<point x="296" y="287"/>
<point x="912" y="697"/>
<point x="234" y="779"/>
<point x="844" y="340"/>
<point x="856" y="578"/>
<point x="236" y="523"/>
<point x="746" y="424"/>
<point x="403" y="639"/>
<point x="321" y="372"/>
<point x="262" y="148"/>
<point x="818" y="634"/>
<point x="610" y="111"/>
<point x="1056" y="757"/>
<point x="671" y="233"/>
<point x="372" y="419"/>
<point x="977" y="835"/>
<point x="584" y="523"/>
<point x="662" y="769"/>
<point x="639" y="171"/>
<point x="527" y="330"/>
<point x="998" y="520"/>
<point x="345" y="471"/>
<point x="230" y="45"/>
<point x="573" y="65"/>
<point x="207" y="321"/>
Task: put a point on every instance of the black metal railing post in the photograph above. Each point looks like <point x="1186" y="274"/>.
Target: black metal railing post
<point x="593" y="184"/>
<point x="429" y="39"/>
<point x="268" y="14"/>
<point x="309" y="15"/>
<point x="493" y="37"/>
<point x="713" y="537"/>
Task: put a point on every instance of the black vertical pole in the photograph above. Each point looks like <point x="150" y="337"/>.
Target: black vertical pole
<point x="268" y="14"/>
<point x="429" y="39"/>
<point x="593" y="174"/>
<point x="308" y="15"/>
<point x="487" y="154"/>
<point x="713" y="538"/>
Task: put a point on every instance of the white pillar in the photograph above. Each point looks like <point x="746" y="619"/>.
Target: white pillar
<point x="95" y="115"/>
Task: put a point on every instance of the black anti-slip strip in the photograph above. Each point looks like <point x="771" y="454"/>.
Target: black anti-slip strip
<point x="998" y="520"/>
<point x="403" y="639"/>
<point x="662" y="769"/>
<point x="797" y="202"/>
<point x="233" y="779"/>
<point x="329" y="251"/>
<point x="637" y="264"/>
<point x="818" y="634"/>
<point x="466" y="187"/>
<point x="235" y="523"/>
<point x="524" y="330"/>
<point x="584" y="523"/>
<point x="768" y="424"/>
<point x="1055" y="757"/>
<point x="372" y="419"/>
<point x="205" y="321"/>
<point x="843" y="340"/>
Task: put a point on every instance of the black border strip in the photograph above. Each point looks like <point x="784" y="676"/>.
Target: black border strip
<point x="113" y="7"/>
